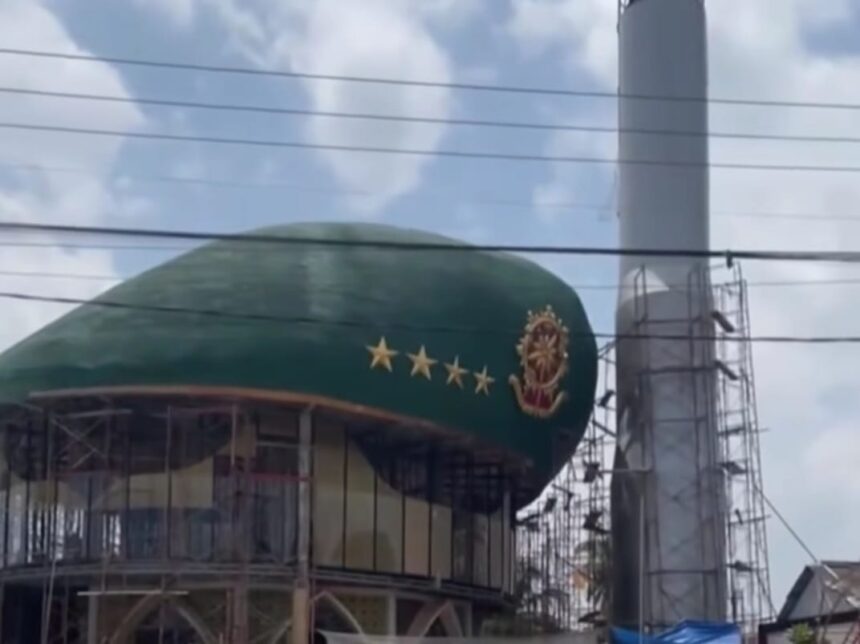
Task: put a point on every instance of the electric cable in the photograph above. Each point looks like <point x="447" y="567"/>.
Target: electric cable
<point x="376" y="325"/>
<point x="452" y="197"/>
<point x="457" y="154"/>
<point x="728" y="255"/>
<point x="399" y="118"/>
<point x="325" y="190"/>
<point x="480" y="87"/>
<point x="578" y="287"/>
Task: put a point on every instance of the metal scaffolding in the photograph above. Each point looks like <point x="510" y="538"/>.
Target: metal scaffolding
<point x="562" y="538"/>
<point x="739" y="430"/>
<point x="102" y="514"/>
<point x="562" y="543"/>
<point x="180" y="518"/>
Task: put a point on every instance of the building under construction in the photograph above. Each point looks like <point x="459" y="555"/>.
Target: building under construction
<point x="566" y="561"/>
<point x="361" y="433"/>
<point x="255" y="441"/>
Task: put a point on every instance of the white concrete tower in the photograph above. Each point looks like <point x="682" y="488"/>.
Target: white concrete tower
<point x="668" y="518"/>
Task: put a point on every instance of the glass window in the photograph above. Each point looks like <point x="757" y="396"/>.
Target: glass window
<point x="480" y="542"/>
<point x="417" y="537"/>
<point x="17" y="523"/>
<point x="147" y="500"/>
<point x="462" y="546"/>
<point x="389" y="528"/>
<point x="39" y="521"/>
<point x="71" y="523"/>
<point x="147" y="488"/>
<point x="192" y="518"/>
<point x="192" y="493"/>
<point x="222" y="511"/>
<point x="507" y="544"/>
<point x="5" y="481"/>
<point x="496" y="555"/>
<point x="510" y="558"/>
<point x="274" y="486"/>
<point x="328" y="490"/>
<point x="360" y="480"/>
<point x="22" y="459"/>
<point x="441" y="554"/>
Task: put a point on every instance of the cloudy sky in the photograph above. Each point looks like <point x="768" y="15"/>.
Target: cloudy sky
<point x="779" y="49"/>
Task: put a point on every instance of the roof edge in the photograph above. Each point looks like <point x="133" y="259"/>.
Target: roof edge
<point x="285" y="397"/>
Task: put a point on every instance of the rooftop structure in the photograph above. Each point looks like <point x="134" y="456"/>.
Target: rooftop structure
<point x="256" y="439"/>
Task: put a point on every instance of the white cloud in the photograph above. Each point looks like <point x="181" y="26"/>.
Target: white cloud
<point x="29" y="25"/>
<point x="832" y="458"/>
<point x="447" y="11"/>
<point x="370" y="40"/>
<point x="583" y="31"/>
<point x="583" y="34"/>
<point x="576" y="184"/>
<point x="30" y="194"/>
<point x="760" y="50"/>
<point x="374" y="38"/>
<point x="180" y="13"/>
<point x="22" y="318"/>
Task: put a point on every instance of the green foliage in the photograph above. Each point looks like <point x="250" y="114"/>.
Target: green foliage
<point x="801" y="634"/>
<point x="598" y="571"/>
<point x="531" y="603"/>
<point x="805" y="634"/>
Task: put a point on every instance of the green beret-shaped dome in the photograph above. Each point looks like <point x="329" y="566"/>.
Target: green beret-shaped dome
<point x="307" y="321"/>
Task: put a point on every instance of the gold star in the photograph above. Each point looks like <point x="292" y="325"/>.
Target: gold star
<point x="455" y="372"/>
<point x="421" y="363"/>
<point x="484" y="381"/>
<point x="381" y="355"/>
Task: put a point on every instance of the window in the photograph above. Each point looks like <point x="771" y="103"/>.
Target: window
<point x="328" y="493"/>
<point x="441" y="542"/>
<point x="389" y="528"/>
<point x="360" y="510"/>
<point x="417" y="537"/>
<point x="462" y="548"/>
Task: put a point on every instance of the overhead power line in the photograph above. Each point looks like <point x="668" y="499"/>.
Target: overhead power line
<point x="452" y="197"/>
<point x="399" y="118"/>
<point x="324" y="190"/>
<point x="579" y="287"/>
<point x="454" y="247"/>
<point x="373" y="324"/>
<point x="63" y="276"/>
<point x="479" y="87"/>
<point x="460" y="154"/>
<point x="91" y="246"/>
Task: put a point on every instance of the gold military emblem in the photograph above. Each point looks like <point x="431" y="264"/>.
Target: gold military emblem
<point x="544" y="361"/>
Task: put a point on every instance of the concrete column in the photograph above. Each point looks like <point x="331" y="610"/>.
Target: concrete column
<point x="392" y="614"/>
<point x="239" y="616"/>
<point x="301" y="630"/>
<point x="93" y="620"/>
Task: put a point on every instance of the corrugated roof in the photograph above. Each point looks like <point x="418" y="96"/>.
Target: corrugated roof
<point x="835" y="591"/>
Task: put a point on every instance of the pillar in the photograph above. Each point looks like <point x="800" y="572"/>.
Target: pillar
<point x="301" y="630"/>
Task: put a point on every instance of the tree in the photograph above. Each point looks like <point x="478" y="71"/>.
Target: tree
<point x="597" y="571"/>
<point x="528" y="616"/>
<point x="801" y="634"/>
<point x="805" y="634"/>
